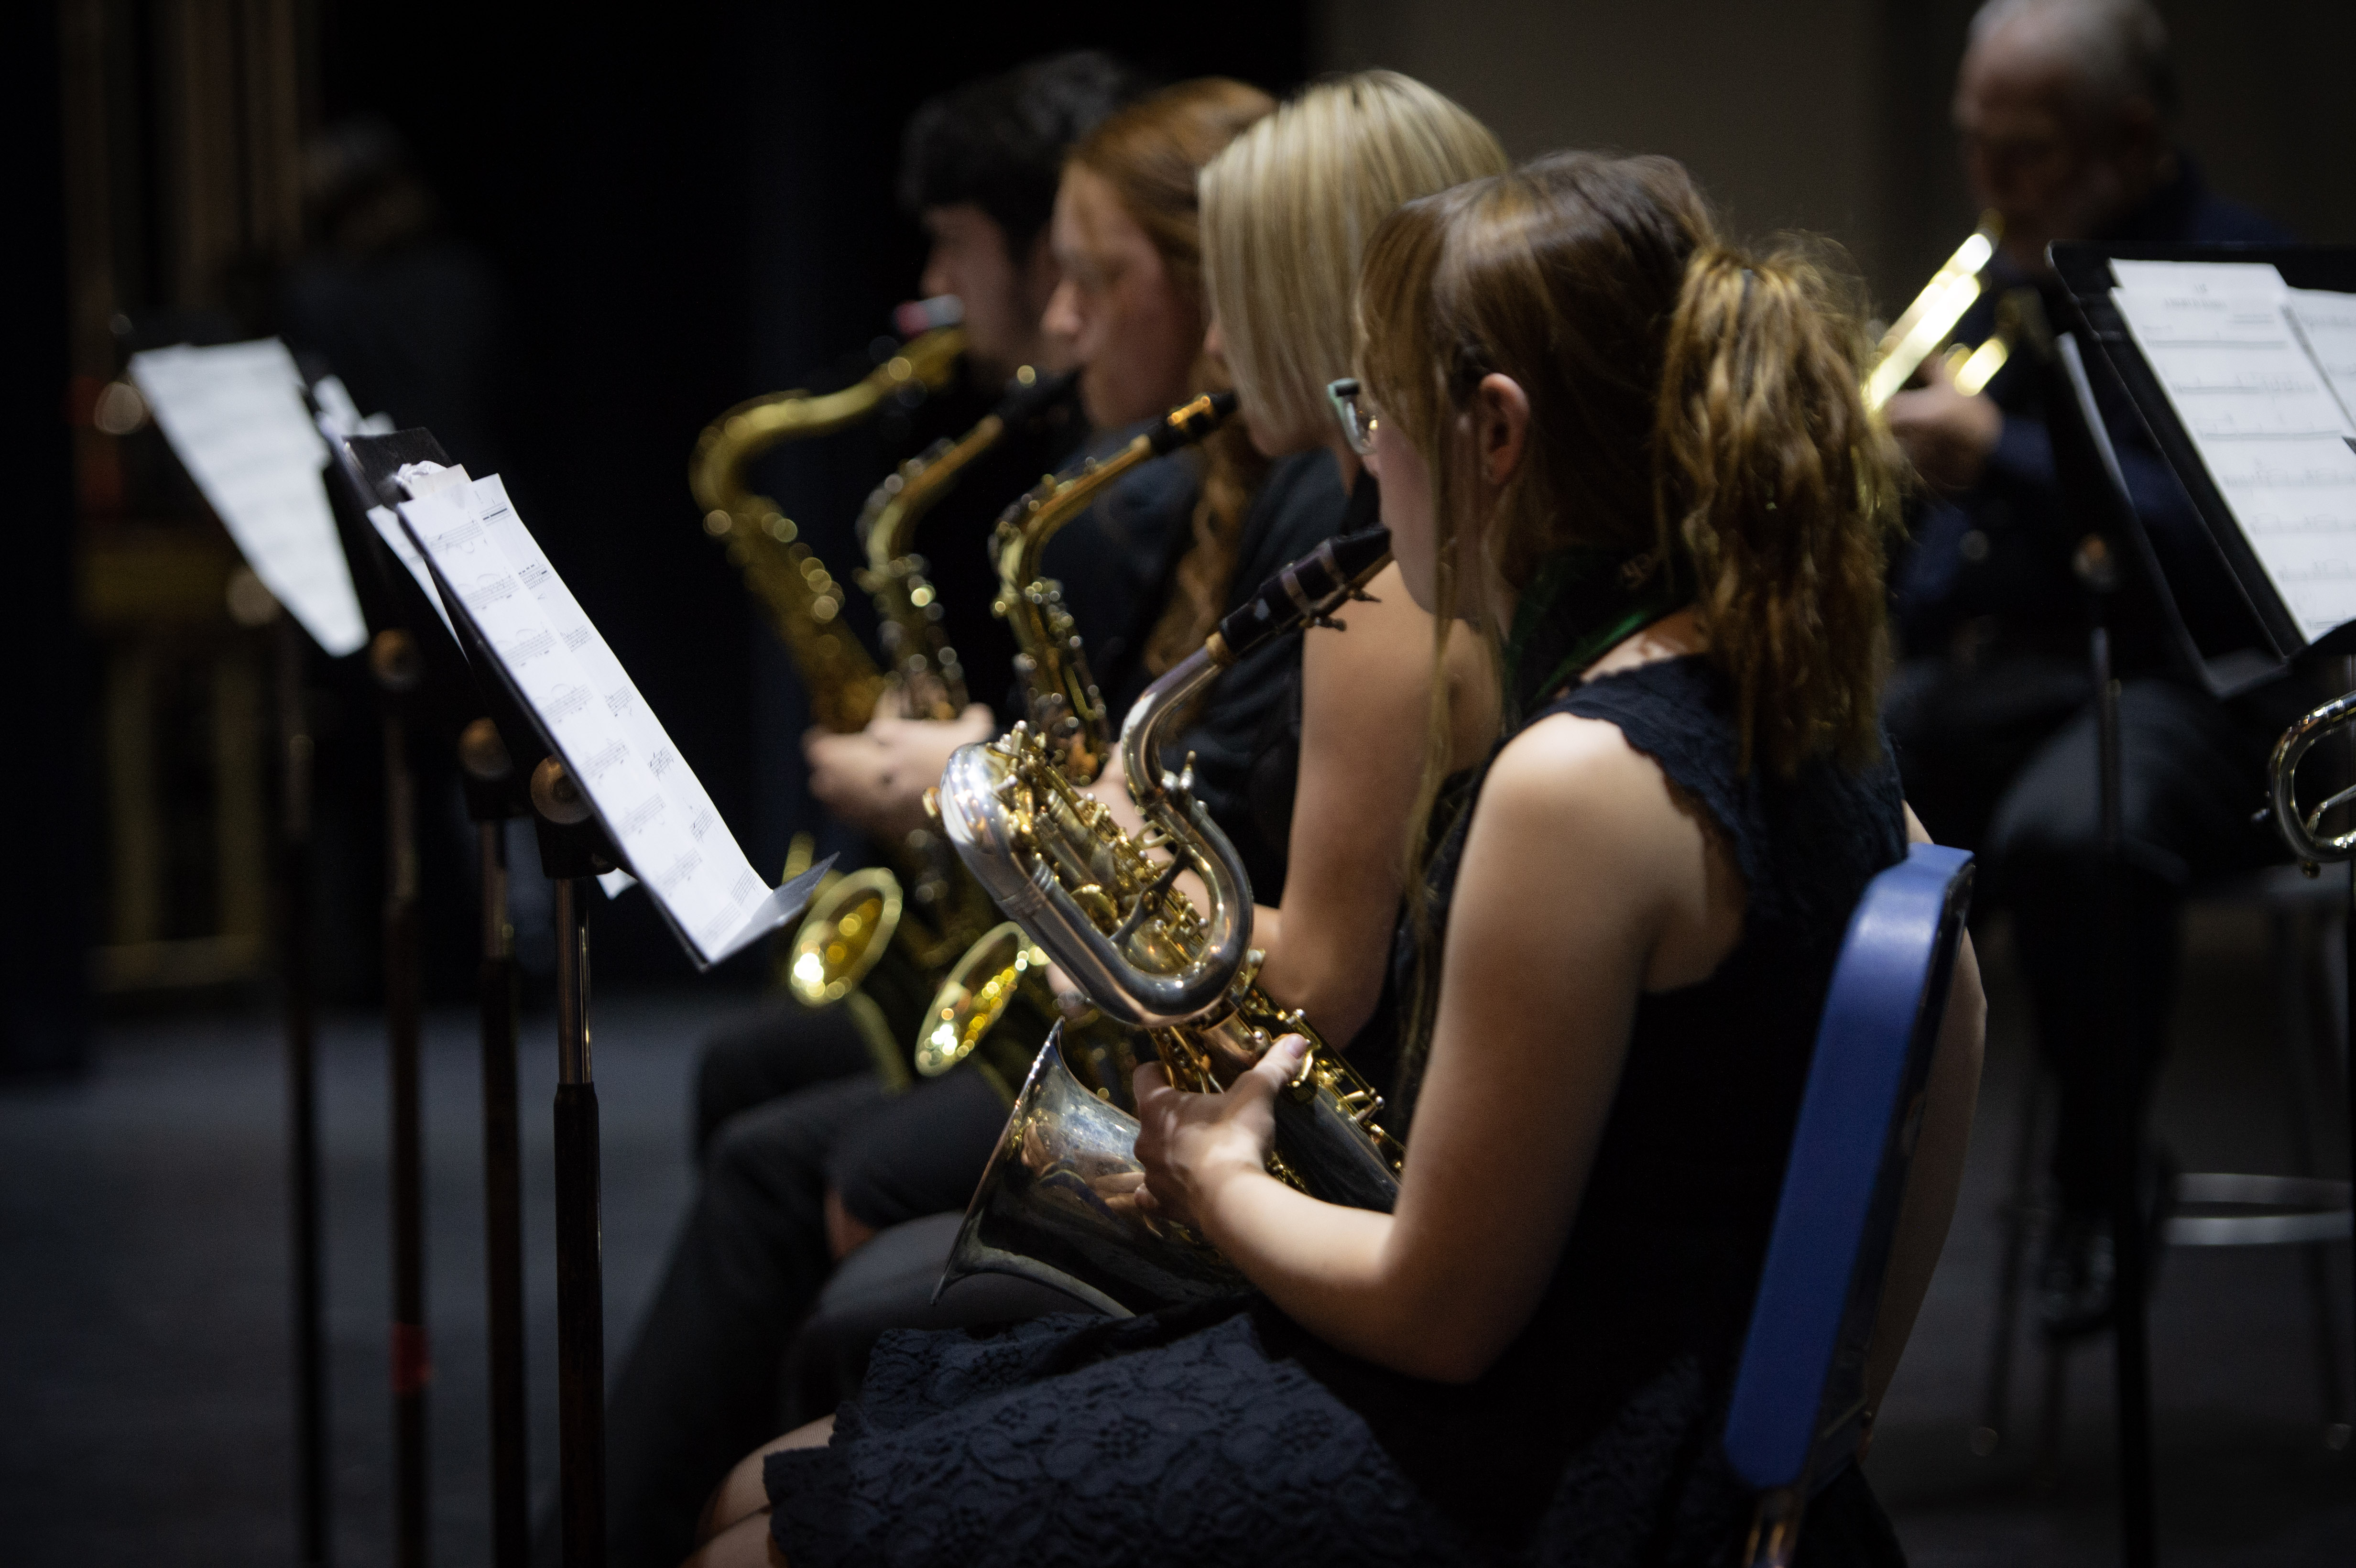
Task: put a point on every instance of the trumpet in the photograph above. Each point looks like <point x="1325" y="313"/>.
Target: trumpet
<point x="1092" y="897"/>
<point x="1925" y="325"/>
<point x="2303" y="830"/>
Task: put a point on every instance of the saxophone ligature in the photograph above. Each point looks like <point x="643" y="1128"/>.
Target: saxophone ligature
<point x="1925" y="325"/>
<point x="1054" y="1204"/>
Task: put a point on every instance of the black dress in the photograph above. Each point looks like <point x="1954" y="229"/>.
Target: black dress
<point x="1225" y="1433"/>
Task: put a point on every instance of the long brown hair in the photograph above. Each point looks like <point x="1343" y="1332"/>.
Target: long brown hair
<point x="1151" y="154"/>
<point x="1691" y="405"/>
<point x="1693" y="409"/>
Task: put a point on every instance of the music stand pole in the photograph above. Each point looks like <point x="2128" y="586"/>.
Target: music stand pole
<point x="2131" y="1347"/>
<point x="395" y="662"/>
<point x="483" y="759"/>
<point x="569" y="862"/>
<point x="311" y="1493"/>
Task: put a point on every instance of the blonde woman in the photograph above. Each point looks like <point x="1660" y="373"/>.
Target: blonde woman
<point x="1634" y="460"/>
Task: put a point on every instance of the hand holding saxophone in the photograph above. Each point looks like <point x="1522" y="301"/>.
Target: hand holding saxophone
<point x="1192" y="1144"/>
<point x="875" y="778"/>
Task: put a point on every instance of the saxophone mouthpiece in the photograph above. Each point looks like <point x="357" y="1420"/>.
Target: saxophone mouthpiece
<point x="918" y="317"/>
<point x="1027" y="401"/>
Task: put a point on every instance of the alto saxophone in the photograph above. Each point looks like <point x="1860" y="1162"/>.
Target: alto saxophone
<point x="804" y="600"/>
<point x="857" y="933"/>
<point x="1056" y="1202"/>
<point x="1068" y="715"/>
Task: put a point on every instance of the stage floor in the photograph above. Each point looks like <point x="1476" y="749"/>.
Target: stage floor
<point x="144" y="1369"/>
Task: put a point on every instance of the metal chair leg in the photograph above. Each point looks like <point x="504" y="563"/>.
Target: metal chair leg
<point x="1995" y="1401"/>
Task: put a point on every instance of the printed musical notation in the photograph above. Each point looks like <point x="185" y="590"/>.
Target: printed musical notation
<point x="650" y="801"/>
<point x="234" y="415"/>
<point x="2261" y="375"/>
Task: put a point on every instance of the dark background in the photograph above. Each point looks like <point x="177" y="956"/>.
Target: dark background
<point x="682" y="213"/>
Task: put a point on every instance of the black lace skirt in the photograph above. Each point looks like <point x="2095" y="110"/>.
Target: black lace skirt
<point x="1224" y="1434"/>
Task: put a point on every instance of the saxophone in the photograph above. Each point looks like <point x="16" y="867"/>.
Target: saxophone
<point x="1054" y="1204"/>
<point x="1067" y="712"/>
<point x="1068" y="721"/>
<point x="857" y="934"/>
<point x="804" y="600"/>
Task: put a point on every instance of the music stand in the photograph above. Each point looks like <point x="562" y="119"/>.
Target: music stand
<point x="2244" y="640"/>
<point x="443" y="696"/>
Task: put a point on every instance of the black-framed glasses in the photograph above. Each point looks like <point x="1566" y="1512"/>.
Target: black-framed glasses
<point x="1358" y="421"/>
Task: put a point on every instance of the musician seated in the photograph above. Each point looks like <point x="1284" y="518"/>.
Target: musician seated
<point x="2066" y="110"/>
<point x="979" y="170"/>
<point x="784" y="1192"/>
<point x="1590" y="415"/>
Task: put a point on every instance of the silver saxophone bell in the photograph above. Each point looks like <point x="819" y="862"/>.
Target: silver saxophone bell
<point x="1058" y="1204"/>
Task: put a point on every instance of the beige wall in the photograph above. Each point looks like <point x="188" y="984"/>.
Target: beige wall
<point x="1832" y="114"/>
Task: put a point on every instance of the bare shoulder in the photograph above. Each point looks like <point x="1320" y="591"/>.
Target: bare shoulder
<point x="1581" y="780"/>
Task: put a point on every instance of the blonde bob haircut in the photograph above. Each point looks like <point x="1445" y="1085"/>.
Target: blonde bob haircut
<point x="1286" y="210"/>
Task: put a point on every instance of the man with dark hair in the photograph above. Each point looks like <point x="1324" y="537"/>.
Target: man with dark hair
<point x="701" y="1386"/>
<point x="2066" y="112"/>
<point x="978" y="168"/>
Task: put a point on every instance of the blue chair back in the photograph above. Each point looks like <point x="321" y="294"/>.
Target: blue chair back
<point x="1798" y="1408"/>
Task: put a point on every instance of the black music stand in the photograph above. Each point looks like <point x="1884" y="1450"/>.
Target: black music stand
<point x="456" y="709"/>
<point x="2245" y="639"/>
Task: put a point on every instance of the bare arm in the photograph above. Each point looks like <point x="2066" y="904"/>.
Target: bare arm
<point x="1573" y="821"/>
<point x="1365" y="696"/>
<point x="877" y="779"/>
<point x="1929" y="1205"/>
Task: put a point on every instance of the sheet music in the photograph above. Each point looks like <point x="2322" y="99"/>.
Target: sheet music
<point x="650" y="801"/>
<point x="2327" y="320"/>
<point x="2266" y="423"/>
<point x="235" y="416"/>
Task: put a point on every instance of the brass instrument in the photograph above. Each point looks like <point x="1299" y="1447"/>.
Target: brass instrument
<point x="1066" y="710"/>
<point x="859" y="921"/>
<point x="2303" y="830"/>
<point x="803" y="598"/>
<point x="1092" y="897"/>
<point x="909" y="611"/>
<point x="1064" y="701"/>
<point x="1924" y="327"/>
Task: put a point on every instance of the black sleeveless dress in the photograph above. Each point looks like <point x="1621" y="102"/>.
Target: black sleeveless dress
<point x="1225" y="1433"/>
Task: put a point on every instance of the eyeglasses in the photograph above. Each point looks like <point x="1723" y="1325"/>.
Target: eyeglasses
<point x="1358" y="421"/>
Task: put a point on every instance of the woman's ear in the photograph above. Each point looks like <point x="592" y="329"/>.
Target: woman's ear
<point x="1501" y="426"/>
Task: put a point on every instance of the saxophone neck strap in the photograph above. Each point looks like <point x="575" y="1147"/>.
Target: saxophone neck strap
<point x="1582" y="604"/>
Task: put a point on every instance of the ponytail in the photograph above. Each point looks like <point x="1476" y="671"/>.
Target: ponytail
<point x="1773" y="489"/>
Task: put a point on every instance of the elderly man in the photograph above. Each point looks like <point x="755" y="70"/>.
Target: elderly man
<point x="2066" y="112"/>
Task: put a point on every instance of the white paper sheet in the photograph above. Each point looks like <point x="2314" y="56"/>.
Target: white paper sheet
<point x="2326" y="321"/>
<point x="650" y="801"/>
<point x="2263" y="416"/>
<point x="235" y="416"/>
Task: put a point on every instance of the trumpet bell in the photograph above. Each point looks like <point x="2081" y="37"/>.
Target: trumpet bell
<point x="846" y="933"/>
<point x="975" y="997"/>
<point x="1058" y="1205"/>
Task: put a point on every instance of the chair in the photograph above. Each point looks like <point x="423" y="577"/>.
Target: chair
<point x="2216" y="1209"/>
<point x="1798" y="1415"/>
